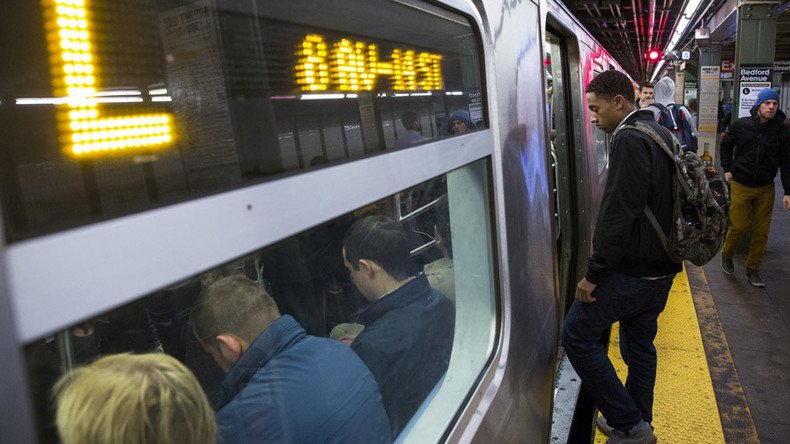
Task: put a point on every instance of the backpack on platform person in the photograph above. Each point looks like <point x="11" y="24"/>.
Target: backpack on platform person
<point x="700" y="204"/>
<point x="674" y="118"/>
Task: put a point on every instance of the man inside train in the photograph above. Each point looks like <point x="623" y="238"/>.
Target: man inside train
<point x="629" y="273"/>
<point x="282" y="385"/>
<point x="413" y="135"/>
<point x="409" y="326"/>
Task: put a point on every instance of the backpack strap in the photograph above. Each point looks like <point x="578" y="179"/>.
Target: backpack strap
<point x="650" y="132"/>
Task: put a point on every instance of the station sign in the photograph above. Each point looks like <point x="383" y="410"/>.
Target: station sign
<point x="751" y="80"/>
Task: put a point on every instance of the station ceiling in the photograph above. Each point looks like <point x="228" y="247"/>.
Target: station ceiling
<point x="628" y="29"/>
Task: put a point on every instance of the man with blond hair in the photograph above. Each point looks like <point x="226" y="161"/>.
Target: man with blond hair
<point x="110" y="402"/>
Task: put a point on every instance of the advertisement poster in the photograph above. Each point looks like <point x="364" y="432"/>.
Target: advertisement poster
<point x="751" y="80"/>
<point x="707" y="118"/>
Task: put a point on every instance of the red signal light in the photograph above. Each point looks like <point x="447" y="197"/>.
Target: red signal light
<point x="653" y="55"/>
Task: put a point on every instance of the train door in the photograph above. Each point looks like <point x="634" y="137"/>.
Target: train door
<point x="560" y="115"/>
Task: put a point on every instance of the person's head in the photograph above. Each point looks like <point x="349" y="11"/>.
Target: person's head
<point x="411" y="121"/>
<point x="610" y="97"/>
<point x="129" y="399"/>
<point x="376" y="250"/>
<point x="460" y="122"/>
<point x="767" y="104"/>
<point x="231" y="313"/>
<point x="692" y="104"/>
<point x="646" y="91"/>
<point x="664" y="91"/>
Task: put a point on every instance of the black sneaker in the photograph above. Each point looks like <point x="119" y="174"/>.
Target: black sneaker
<point x="727" y="265"/>
<point x="641" y="433"/>
<point x="753" y="276"/>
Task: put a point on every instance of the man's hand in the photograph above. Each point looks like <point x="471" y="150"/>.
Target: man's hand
<point x="728" y="177"/>
<point x="584" y="290"/>
<point x="786" y="203"/>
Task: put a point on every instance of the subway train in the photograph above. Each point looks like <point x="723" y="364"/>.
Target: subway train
<point x="153" y="146"/>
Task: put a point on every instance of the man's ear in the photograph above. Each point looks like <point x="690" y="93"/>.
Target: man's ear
<point x="619" y="101"/>
<point x="230" y="347"/>
<point x="368" y="267"/>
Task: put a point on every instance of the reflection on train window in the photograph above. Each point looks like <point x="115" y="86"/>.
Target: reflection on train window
<point x="601" y="147"/>
<point x="111" y="107"/>
<point x="414" y="269"/>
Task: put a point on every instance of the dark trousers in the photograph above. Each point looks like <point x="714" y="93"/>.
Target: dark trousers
<point x="636" y="303"/>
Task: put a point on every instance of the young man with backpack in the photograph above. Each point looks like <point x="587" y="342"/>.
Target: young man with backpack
<point x="630" y="273"/>
<point x="676" y="118"/>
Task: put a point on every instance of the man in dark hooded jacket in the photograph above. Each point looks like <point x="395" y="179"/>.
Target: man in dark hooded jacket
<point x="629" y="273"/>
<point x="752" y="150"/>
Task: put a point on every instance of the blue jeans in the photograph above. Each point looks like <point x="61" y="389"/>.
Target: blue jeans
<point x="636" y="303"/>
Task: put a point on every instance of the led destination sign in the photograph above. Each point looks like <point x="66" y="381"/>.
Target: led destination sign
<point x="74" y="76"/>
<point x="348" y="65"/>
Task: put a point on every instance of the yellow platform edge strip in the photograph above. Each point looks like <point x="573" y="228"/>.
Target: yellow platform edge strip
<point x="684" y="407"/>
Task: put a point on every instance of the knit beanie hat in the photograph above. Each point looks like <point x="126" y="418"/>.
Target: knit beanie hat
<point x="766" y="94"/>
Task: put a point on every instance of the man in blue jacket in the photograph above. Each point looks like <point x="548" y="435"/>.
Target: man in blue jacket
<point x="282" y="385"/>
<point x="752" y="150"/>
<point x="409" y="326"/>
<point x="629" y="273"/>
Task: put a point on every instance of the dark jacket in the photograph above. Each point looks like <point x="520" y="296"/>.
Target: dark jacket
<point x="293" y="388"/>
<point x="753" y="151"/>
<point x="406" y="343"/>
<point x="640" y="173"/>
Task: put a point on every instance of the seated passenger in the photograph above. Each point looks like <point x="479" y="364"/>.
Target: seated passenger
<point x="409" y="326"/>
<point x="282" y="385"/>
<point x="460" y="123"/>
<point x="413" y="135"/>
<point x="127" y="399"/>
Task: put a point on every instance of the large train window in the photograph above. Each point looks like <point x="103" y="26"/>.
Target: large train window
<point x="433" y="355"/>
<point x="111" y="107"/>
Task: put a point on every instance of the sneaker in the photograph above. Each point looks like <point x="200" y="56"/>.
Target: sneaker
<point x="603" y="426"/>
<point x="753" y="276"/>
<point x="641" y="433"/>
<point x="726" y="265"/>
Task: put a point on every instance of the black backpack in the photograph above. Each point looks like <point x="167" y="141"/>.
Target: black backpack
<point x="700" y="204"/>
<point x="674" y="119"/>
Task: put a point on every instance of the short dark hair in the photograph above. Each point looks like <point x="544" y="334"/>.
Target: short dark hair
<point x="381" y="240"/>
<point x="645" y="85"/>
<point x="233" y="304"/>
<point x="409" y="119"/>
<point x="610" y="84"/>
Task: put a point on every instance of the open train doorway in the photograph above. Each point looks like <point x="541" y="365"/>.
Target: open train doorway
<point x="560" y="116"/>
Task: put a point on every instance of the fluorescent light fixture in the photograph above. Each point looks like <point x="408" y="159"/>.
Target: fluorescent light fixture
<point x="680" y="29"/>
<point x="454" y="93"/>
<point x="41" y="101"/>
<point x="119" y="92"/>
<point x="283" y="97"/>
<point x="162" y="99"/>
<point x="120" y="100"/>
<point x="400" y="94"/>
<point x="352" y="96"/>
<point x="420" y="94"/>
<point x="157" y="92"/>
<point x="321" y="96"/>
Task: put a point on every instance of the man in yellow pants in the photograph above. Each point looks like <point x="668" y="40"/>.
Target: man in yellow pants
<point x="752" y="150"/>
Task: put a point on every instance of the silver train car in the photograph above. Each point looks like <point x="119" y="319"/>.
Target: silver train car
<point x="150" y="147"/>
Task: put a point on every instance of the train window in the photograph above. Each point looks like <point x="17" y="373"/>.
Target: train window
<point x="601" y="147"/>
<point x="111" y="107"/>
<point x="443" y="345"/>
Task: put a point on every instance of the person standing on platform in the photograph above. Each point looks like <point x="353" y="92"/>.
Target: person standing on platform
<point x="752" y="150"/>
<point x="629" y="274"/>
<point x="645" y="95"/>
